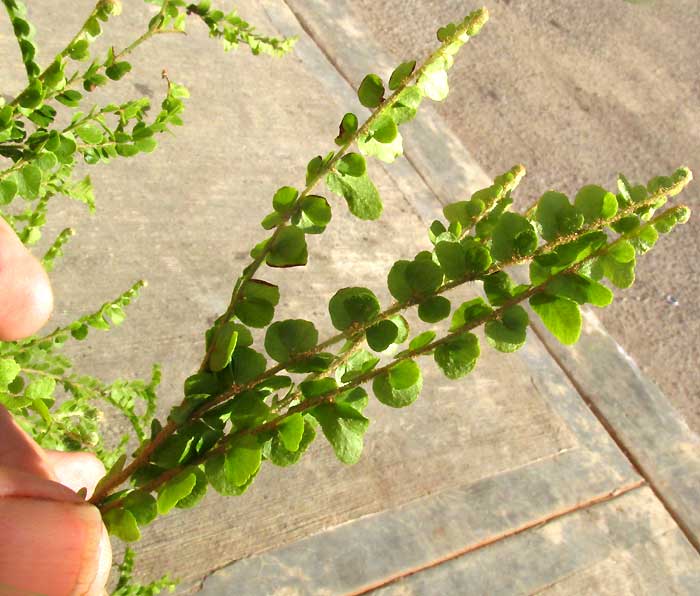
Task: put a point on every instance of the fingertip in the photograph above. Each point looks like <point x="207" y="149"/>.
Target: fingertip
<point x="27" y="299"/>
<point x="76" y="470"/>
<point x="97" y="554"/>
<point x="22" y="483"/>
<point x="19" y="451"/>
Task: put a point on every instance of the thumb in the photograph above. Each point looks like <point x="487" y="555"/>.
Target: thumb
<point x="52" y="547"/>
<point x="51" y="541"/>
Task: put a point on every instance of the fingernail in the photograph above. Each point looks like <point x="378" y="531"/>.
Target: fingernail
<point x="50" y="547"/>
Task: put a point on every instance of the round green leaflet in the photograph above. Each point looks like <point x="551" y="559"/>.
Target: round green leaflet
<point x="371" y="91"/>
<point x="350" y="306"/>
<point x="457" y="357"/>
<point x="286" y="339"/>
<point x="434" y="309"/>
<point x="382" y="335"/>
<point x="400" y="386"/>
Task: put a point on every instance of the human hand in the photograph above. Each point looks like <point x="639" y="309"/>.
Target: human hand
<point x="51" y="541"/>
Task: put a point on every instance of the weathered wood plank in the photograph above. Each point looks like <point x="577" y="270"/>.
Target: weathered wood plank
<point x="625" y="547"/>
<point x="642" y="419"/>
<point x="352" y="558"/>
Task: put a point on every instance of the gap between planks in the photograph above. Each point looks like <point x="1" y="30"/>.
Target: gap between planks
<point x="622" y="446"/>
<point x="555" y="515"/>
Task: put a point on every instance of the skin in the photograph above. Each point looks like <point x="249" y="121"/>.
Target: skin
<point x="53" y="543"/>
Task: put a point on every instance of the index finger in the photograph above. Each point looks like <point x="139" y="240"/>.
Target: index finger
<point x="19" y="451"/>
<point x="26" y="300"/>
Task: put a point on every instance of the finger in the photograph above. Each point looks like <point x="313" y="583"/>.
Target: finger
<point x="52" y="548"/>
<point x="18" y="450"/>
<point x="76" y="470"/>
<point x="17" y="483"/>
<point x="26" y="300"/>
<point x="95" y="574"/>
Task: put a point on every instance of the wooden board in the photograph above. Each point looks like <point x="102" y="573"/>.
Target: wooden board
<point x="653" y="434"/>
<point x="625" y="547"/>
<point x="624" y="544"/>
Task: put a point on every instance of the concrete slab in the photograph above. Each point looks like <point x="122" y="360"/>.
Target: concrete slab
<point x="359" y="556"/>
<point x="652" y="433"/>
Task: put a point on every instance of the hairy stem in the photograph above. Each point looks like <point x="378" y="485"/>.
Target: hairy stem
<point x="171" y="427"/>
<point x="250" y="270"/>
<point x="30" y="343"/>
<point x="330" y="396"/>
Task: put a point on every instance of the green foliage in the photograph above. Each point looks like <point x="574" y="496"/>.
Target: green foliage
<point x="122" y="524"/>
<point x="344" y="427"/>
<point x="556" y="216"/>
<point x="401" y="73"/>
<point x="513" y="237"/>
<point x="421" y="340"/>
<point x="382" y="140"/>
<point x="62" y="408"/>
<point x="560" y="315"/>
<point x="229" y="28"/>
<point x="284" y="340"/>
<point x="371" y="91"/>
<point x="45" y="131"/>
<point x="223" y="347"/>
<point x="473" y="310"/>
<point x="291" y="432"/>
<point x="284" y="198"/>
<point x="175" y="490"/>
<point x="231" y="473"/>
<point x="346" y="130"/>
<point x="313" y="216"/>
<point x="287" y="248"/>
<point x="126" y="586"/>
<point x="276" y="449"/>
<point x="508" y="333"/>
<point x="256" y="306"/>
<point x="360" y="193"/>
<point x="358" y="364"/>
<point x="434" y="309"/>
<point x="24" y="32"/>
<point x="381" y="335"/>
<point x="237" y="412"/>
<point x="274" y="418"/>
<point x="595" y="203"/>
